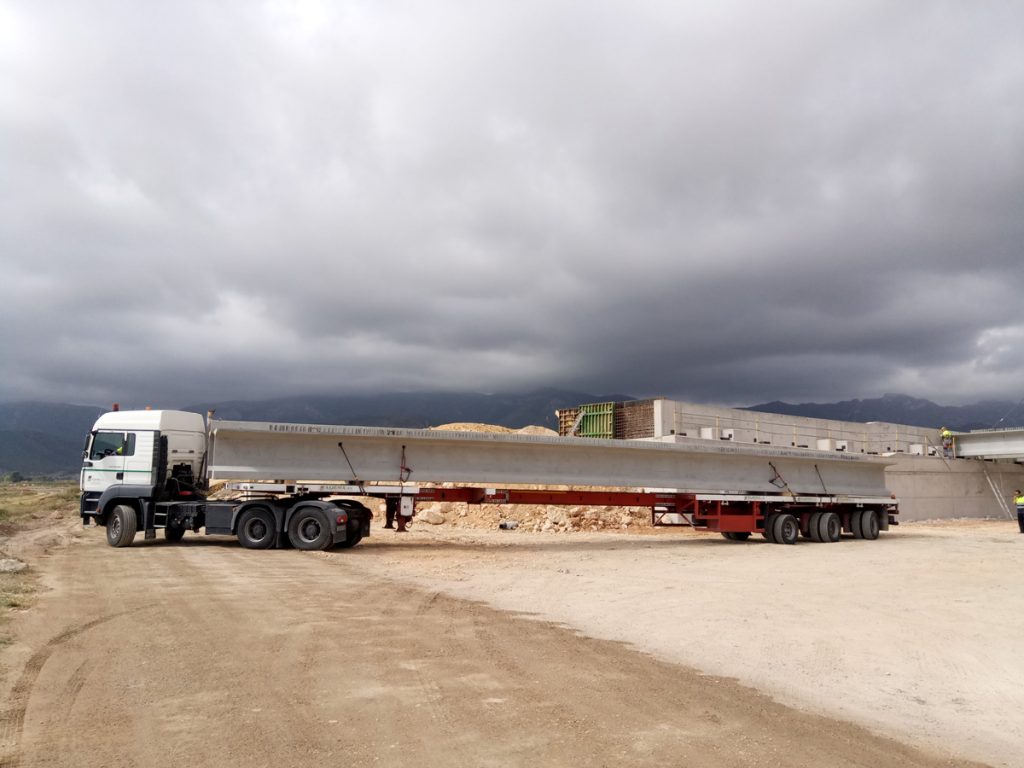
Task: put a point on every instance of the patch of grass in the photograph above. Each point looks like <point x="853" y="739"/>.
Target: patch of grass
<point x="20" y="504"/>
<point x="26" y="501"/>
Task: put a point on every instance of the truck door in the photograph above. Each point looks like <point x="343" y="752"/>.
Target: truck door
<point x="104" y="462"/>
<point x="138" y="457"/>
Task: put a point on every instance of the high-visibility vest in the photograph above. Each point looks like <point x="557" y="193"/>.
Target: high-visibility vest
<point x="946" y="433"/>
<point x="1019" y="501"/>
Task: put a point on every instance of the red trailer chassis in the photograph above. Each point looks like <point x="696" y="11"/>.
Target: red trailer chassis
<point x="780" y="518"/>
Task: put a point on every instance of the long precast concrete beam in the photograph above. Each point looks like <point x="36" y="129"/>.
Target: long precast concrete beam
<point x="303" y="452"/>
<point x="991" y="444"/>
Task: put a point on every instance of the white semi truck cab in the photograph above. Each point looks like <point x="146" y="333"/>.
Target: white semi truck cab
<point x="147" y="470"/>
<point x="138" y="448"/>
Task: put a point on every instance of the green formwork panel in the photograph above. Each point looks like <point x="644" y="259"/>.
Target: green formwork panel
<point x="597" y="420"/>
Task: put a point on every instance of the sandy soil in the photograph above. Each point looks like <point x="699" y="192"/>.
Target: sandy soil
<point x="917" y="635"/>
<point x="206" y="654"/>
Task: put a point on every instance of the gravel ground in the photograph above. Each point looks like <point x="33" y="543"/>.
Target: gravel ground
<point x="453" y="647"/>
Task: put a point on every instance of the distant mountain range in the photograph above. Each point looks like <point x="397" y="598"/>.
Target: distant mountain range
<point x="43" y="438"/>
<point x="904" y="409"/>
<point x="39" y="439"/>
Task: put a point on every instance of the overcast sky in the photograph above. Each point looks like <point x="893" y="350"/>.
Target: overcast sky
<point x="727" y="202"/>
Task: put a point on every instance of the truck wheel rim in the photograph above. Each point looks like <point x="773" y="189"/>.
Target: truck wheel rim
<point x="256" y="530"/>
<point x="309" y="529"/>
<point x="115" y="526"/>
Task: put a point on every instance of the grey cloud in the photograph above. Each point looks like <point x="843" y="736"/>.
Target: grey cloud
<point x="729" y="203"/>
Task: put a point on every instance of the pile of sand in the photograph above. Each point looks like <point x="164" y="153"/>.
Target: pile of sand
<point x="468" y="426"/>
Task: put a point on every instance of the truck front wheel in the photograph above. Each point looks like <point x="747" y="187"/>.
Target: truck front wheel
<point x="309" y="529"/>
<point x="121" y="526"/>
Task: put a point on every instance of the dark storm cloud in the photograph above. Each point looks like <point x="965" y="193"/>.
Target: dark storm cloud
<point x="732" y="203"/>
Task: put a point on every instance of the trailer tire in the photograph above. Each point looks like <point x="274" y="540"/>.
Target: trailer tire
<point x="121" y="526"/>
<point x="785" y="529"/>
<point x="174" y="533"/>
<point x="855" y="521"/>
<point x="309" y="530"/>
<point x="814" y="527"/>
<point x="736" y="535"/>
<point x="256" y="529"/>
<point x="831" y="527"/>
<point x="869" y="525"/>
<point x="769" y="528"/>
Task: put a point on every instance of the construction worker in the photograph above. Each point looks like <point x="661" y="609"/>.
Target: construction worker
<point x="1018" y="499"/>
<point x="947" y="443"/>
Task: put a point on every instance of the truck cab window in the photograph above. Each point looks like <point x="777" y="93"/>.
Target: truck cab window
<point x="107" y="444"/>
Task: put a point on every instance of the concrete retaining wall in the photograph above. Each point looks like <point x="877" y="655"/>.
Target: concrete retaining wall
<point x="930" y="488"/>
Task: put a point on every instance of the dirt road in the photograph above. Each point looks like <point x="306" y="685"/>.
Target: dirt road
<point x="205" y="654"/>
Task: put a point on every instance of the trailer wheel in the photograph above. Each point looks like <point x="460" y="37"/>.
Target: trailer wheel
<point x="174" y="533"/>
<point x="769" y="528"/>
<point x="814" y="527"/>
<point x="830" y="527"/>
<point x="121" y="526"/>
<point x="855" y="521"/>
<point x="785" y="529"/>
<point x="309" y="529"/>
<point x="256" y="529"/>
<point x="869" y="525"/>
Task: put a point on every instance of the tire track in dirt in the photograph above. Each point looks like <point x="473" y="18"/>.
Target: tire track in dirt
<point x="12" y="719"/>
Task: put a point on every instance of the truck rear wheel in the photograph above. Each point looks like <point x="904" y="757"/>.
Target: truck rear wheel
<point x="174" y="532"/>
<point x="785" y="529"/>
<point x="121" y="526"/>
<point x="256" y="529"/>
<point x="309" y="529"/>
<point x="769" y="528"/>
